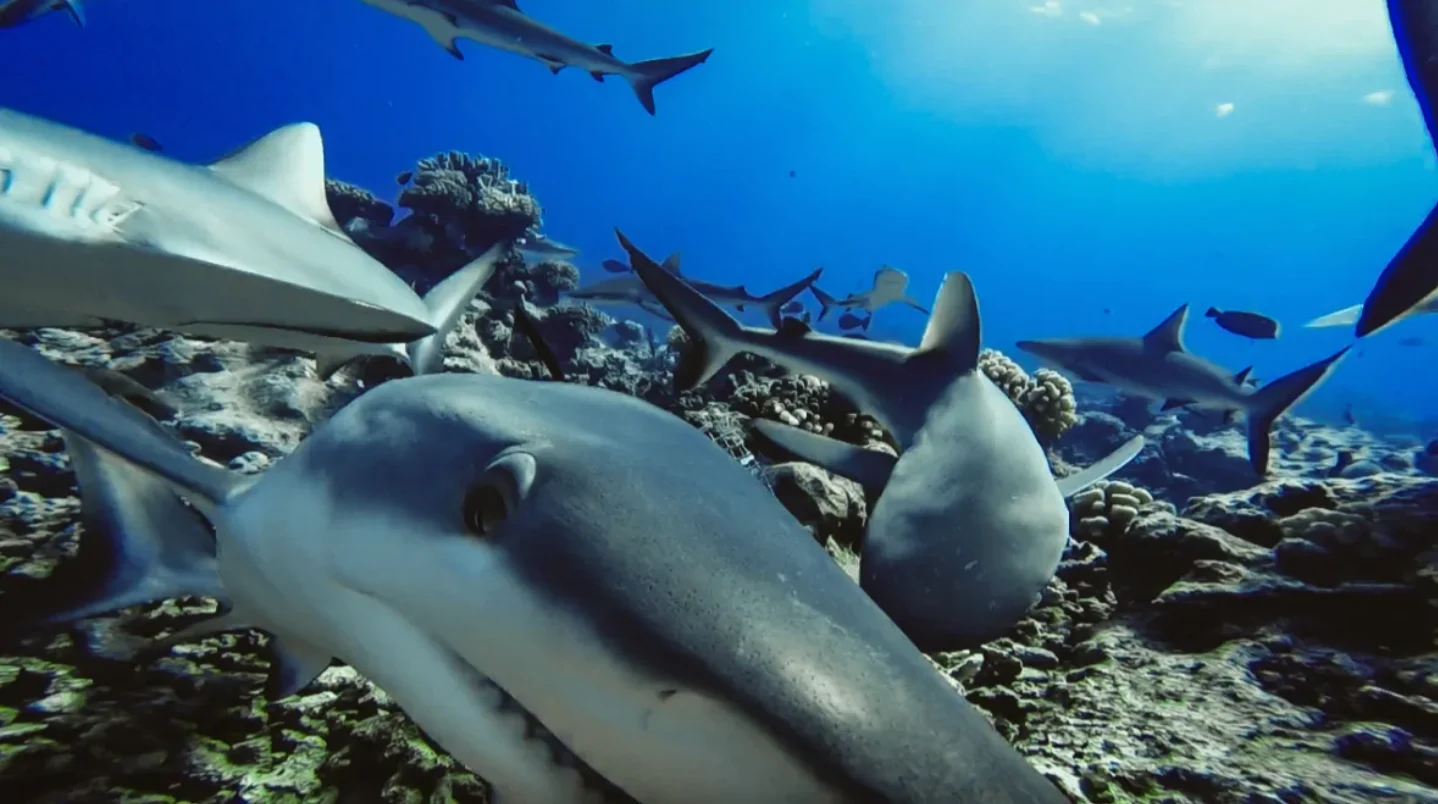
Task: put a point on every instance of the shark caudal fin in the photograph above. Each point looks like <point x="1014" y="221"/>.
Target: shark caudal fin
<point x="447" y="302"/>
<point x="714" y="335"/>
<point x="826" y="302"/>
<point x="1269" y="402"/>
<point x="644" y="76"/>
<point x="773" y="303"/>
<point x="140" y="542"/>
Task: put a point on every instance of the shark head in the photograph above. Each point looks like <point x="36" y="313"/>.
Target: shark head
<point x="570" y="590"/>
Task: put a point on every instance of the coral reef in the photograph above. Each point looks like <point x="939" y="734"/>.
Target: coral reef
<point x="1046" y="398"/>
<point x="1206" y="638"/>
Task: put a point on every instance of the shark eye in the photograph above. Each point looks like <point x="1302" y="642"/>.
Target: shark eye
<point x="484" y="509"/>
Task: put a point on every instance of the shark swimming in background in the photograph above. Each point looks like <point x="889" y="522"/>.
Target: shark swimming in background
<point x="1349" y="316"/>
<point x="891" y="286"/>
<point x="500" y="24"/>
<point x="1410" y="280"/>
<point x="18" y="12"/>
<point x="1157" y="366"/>
<point x="245" y="248"/>
<point x="970" y="525"/>
<point x="573" y="592"/>
<point x="631" y="290"/>
<point x="539" y="247"/>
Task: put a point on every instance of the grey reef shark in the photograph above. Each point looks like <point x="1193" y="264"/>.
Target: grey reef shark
<point x="573" y="592"/>
<point x="500" y="24"/>
<point x="631" y="290"/>
<point x="1409" y="283"/>
<point x="539" y="247"/>
<point x="245" y="248"/>
<point x="1157" y="366"/>
<point x="891" y="286"/>
<point x="18" y="12"/>
<point x="970" y="524"/>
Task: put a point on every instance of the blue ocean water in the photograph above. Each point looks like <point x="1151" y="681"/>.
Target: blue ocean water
<point x="1091" y="166"/>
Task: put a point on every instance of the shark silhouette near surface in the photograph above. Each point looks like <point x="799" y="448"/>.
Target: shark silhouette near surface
<point x="500" y="24"/>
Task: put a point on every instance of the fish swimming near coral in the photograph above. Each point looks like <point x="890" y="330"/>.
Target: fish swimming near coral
<point x="18" y="12"/>
<point x="573" y="592"/>
<point x="500" y="24"/>
<point x="890" y="287"/>
<point x="1249" y="325"/>
<point x="1157" y="366"/>
<point x="93" y="230"/>
<point x="1350" y="315"/>
<point x="631" y="290"/>
<point x="1410" y="280"/>
<point x="970" y="525"/>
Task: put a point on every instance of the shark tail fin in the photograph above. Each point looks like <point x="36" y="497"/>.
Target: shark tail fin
<point x="826" y="302"/>
<point x="714" y="335"/>
<point x="447" y="302"/>
<point x="1338" y="318"/>
<point x="1409" y="280"/>
<point x="646" y="75"/>
<point x="1269" y="402"/>
<point x="141" y="543"/>
<point x="773" y="303"/>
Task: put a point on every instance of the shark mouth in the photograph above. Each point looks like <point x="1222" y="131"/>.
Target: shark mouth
<point x="60" y="199"/>
<point x="530" y="730"/>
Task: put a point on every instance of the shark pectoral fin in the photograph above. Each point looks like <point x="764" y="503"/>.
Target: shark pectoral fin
<point x="1168" y="336"/>
<point x="867" y="467"/>
<point x="76" y="11"/>
<point x="452" y="48"/>
<point x="554" y="67"/>
<point x="1114" y="461"/>
<point x="526" y="326"/>
<point x="447" y="302"/>
<point x="1269" y="402"/>
<point x="714" y="335"/>
<point x="597" y="76"/>
<point x="773" y="303"/>
<point x="914" y="304"/>
<point x="286" y="166"/>
<point x="1170" y="404"/>
<point x="554" y="63"/>
<point x="954" y="329"/>
<point x="294" y="665"/>
<point x="605" y="48"/>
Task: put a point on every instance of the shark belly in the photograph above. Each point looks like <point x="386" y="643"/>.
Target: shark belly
<point x="971" y="526"/>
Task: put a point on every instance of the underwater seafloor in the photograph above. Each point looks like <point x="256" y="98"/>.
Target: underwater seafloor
<point x="1206" y="639"/>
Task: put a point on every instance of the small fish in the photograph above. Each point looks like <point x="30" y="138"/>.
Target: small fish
<point x="1348" y="417"/>
<point x="1249" y="325"/>
<point x="146" y="141"/>
<point x="526" y="326"/>
<point x="1412" y="340"/>
<point x="404" y="177"/>
<point x="792" y="308"/>
<point x="615" y="267"/>
<point x="1106" y="311"/>
<point x="792" y="174"/>
<point x="851" y="321"/>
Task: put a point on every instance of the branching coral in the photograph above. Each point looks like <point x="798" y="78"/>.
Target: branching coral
<point x="551" y="278"/>
<point x="568" y="327"/>
<point x="1046" y="398"/>
<point x="470" y="200"/>
<point x="1106" y="509"/>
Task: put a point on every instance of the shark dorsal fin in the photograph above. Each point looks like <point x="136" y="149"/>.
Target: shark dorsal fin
<point x="287" y="166"/>
<point x="1242" y="376"/>
<point x="1168" y="336"/>
<point x="954" y="326"/>
<point x="606" y="48"/>
<point x="671" y="264"/>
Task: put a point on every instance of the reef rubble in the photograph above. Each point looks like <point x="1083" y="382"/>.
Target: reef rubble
<point x="1209" y="637"/>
